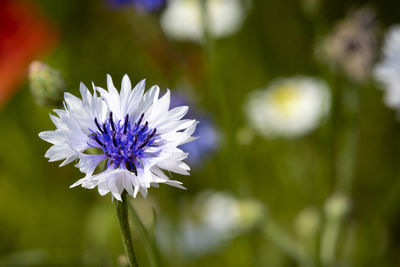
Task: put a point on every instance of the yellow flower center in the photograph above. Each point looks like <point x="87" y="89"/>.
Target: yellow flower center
<point x="284" y="98"/>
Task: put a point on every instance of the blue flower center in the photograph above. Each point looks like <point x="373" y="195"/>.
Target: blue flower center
<point x="124" y="143"/>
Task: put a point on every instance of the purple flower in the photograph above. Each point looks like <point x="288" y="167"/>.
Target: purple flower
<point x="145" y="5"/>
<point x="202" y="147"/>
<point x="209" y="139"/>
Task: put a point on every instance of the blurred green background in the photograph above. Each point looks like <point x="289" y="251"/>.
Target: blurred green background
<point x="44" y="223"/>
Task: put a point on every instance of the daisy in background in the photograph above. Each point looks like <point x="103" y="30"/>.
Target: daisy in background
<point x="182" y="19"/>
<point x="387" y="71"/>
<point x="135" y="133"/>
<point x="288" y="107"/>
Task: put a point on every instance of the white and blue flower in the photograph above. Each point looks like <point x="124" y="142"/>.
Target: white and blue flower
<point x="134" y="132"/>
<point x="387" y="71"/>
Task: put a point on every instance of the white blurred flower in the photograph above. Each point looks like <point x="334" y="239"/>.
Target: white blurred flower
<point x="182" y="19"/>
<point x="217" y="218"/>
<point x="387" y="71"/>
<point x="211" y="221"/>
<point x="288" y="107"/>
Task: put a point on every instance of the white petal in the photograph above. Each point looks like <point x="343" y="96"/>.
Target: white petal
<point x="143" y="191"/>
<point x="174" y="166"/>
<point x="177" y="113"/>
<point x="148" y="99"/>
<point x="126" y="87"/>
<point x="88" y="163"/>
<point x="136" y="191"/>
<point x="127" y="184"/>
<point x="175" y="184"/>
<point x="134" y="99"/>
<point x="160" y="107"/>
<point x="110" y="85"/>
<point x="174" y="126"/>
<point x="53" y="137"/>
<point x="80" y="181"/>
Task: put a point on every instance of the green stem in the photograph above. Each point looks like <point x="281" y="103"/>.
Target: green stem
<point x="286" y="244"/>
<point x="122" y="214"/>
<point x="329" y="241"/>
<point x="344" y="168"/>
<point x="214" y="83"/>
<point x="336" y="208"/>
<point x="155" y="253"/>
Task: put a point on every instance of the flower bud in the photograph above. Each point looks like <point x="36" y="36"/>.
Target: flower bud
<point x="251" y="212"/>
<point x="307" y="222"/>
<point x="46" y="84"/>
<point x="123" y="261"/>
<point x="337" y="206"/>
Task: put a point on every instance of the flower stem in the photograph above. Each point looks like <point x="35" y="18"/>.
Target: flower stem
<point x="286" y="244"/>
<point x="153" y="249"/>
<point x="213" y="81"/>
<point x="122" y="214"/>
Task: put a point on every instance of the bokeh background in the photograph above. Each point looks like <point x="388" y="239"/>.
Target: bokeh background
<point x="328" y="196"/>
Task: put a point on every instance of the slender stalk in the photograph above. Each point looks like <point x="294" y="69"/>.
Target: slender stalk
<point x="213" y="80"/>
<point x="336" y="208"/>
<point x="155" y="253"/>
<point x="286" y="244"/>
<point x="215" y="86"/>
<point x="329" y="241"/>
<point x="344" y="164"/>
<point x="122" y="214"/>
